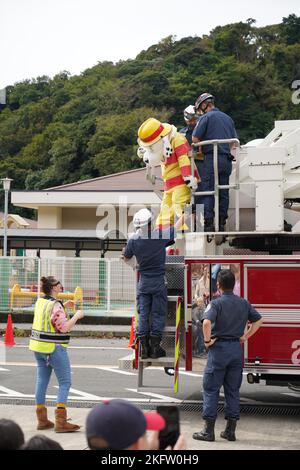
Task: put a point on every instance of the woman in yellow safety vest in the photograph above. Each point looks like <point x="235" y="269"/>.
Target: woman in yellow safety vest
<point x="49" y="341"/>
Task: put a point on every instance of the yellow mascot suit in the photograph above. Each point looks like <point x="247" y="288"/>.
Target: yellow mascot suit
<point x="160" y="143"/>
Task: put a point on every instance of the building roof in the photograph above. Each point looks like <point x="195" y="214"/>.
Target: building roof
<point x="15" y="221"/>
<point x="63" y="239"/>
<point x="132" y="180"/>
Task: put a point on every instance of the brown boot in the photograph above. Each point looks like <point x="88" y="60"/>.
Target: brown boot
<point x="43" y="422"/>
<point x="61" y="423"/>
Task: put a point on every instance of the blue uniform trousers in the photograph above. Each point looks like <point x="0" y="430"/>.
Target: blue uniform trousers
<point x="152" y="304"/>
<point x="207" y="183"/>
<point x="224" y="367"/>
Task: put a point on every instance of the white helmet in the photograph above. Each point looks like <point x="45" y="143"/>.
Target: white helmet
<point x="190" y="113"/>
<point x="142" y="218"/>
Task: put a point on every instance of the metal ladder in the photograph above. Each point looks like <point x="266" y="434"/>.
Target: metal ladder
<point x="218" y="187"/>
<point x="236" y="186"/>
<point x="171" y="335"/>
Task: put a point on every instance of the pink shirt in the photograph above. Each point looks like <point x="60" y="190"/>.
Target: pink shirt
<point x="237" y="288"/>
<point x="59" y="318"/>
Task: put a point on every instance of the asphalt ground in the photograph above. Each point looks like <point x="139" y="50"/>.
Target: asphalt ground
<point x="96" y="376"/>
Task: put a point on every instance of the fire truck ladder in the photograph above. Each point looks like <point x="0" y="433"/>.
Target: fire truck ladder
<point x="170" y="342"/>
<point x="218" y="187"/>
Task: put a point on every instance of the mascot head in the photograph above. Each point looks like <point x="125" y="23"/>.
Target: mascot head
<point x="154" y="139"/>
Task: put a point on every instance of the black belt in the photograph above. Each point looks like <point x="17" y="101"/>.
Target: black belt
<point x="228" y="339"/>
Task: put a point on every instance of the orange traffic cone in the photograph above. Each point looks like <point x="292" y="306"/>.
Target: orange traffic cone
<point x="9" y="333"/>
<point x="131" y="339"/>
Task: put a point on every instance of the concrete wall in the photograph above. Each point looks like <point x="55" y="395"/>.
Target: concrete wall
<point x="74" y="218"/>
<point x="79" y="218"/>
<point x="49" y="217"/>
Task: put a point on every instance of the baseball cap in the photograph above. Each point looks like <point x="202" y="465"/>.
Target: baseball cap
<point x="119" y="423"/>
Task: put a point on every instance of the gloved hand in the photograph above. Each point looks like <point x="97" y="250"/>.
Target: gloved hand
<point x="141" y="152"/>
<point x="191" y="182"/>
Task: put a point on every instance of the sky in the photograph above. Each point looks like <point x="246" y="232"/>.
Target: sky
<point x="45" y="37"/>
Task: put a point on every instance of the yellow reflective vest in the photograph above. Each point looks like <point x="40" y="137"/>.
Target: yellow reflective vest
<point x="43" y="336"/>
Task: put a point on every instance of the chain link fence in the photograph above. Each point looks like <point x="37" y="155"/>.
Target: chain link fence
<point x="108" y="284"/>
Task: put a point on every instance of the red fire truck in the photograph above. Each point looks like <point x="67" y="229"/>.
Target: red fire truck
<point x="271" y="285"/>
<point x="261" y="246"/>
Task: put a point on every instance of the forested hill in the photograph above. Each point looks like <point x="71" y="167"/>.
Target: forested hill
<point x="60" y="130"/>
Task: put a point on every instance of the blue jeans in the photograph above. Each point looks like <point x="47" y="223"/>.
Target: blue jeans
<point x="152" y="304"/>
<point x="60" y="363"/>
<point x="224" y="367"/>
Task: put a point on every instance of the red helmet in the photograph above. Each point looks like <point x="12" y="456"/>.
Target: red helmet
<point x="204" y="97"/>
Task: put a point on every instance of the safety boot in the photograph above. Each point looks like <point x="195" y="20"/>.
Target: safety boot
<point x="222" y="223"/>
<point x="61" y="423"/>
<point x="156" y="350"/>
<point x="207" y="433"/>
<point x="43" y="422"/>
<point x="229" y="432"/>
<point x="209" y="225"/>
<point x="144" y="347"/>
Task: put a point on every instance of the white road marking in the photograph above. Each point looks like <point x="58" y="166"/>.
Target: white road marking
<point x="118" y="371"/>
<point x="190" y="374"/>
<point x="155" y="395"/>
<point x="78" y="398"/>
<point x="84" y="347"/>
<point x="250" y="400"/>
<point x="243" y="399"/>
<point x="10" y="392"/>
<point x="73" y="366"/>
<point x="83" y="395"/>
<point x="291" y="394"/>
<point x="3" y="369"/>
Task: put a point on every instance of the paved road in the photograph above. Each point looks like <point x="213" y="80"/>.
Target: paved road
<point x="95" y="375"/>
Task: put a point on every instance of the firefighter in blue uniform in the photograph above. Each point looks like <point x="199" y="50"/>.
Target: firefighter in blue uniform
<point x="214" y="124"/>
<point x="149" y="248"/>
<point x="191" y="119"/>
<point x="224" y="323"/>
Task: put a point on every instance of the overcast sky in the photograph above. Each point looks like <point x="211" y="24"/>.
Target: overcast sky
<point x="44" y="37"/>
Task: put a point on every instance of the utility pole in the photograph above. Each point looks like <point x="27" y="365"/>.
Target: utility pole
<point x="6" y="186"/>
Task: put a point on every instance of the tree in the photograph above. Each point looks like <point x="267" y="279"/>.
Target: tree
<point x="290" y="29"/>
<point x="68" y="128"/>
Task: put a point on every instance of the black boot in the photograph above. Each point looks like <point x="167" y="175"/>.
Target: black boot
<point x="207" y="433"/>
<point x="209" y="225"/>
<point x="229" y="432"/>
<point x="287" y="227"/>
<point x="155" y="350"/>
<point x="144" y="347"/>
<point x="222" y="223"/>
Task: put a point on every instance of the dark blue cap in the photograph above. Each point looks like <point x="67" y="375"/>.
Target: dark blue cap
<point x="120" y="423"/>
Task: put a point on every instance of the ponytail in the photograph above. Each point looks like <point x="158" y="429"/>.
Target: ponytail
<point x="47" y="284"/>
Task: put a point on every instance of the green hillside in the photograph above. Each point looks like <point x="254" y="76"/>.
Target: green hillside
<point x="60" y="130"/>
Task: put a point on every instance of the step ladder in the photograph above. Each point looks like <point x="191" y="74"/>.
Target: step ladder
<point x="170" y="342"/>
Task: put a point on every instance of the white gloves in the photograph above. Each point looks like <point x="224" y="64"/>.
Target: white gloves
<point x="141" y="152"/>
<point x="191" y="182"/>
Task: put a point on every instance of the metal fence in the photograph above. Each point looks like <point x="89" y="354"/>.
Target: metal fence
<point x="108" y="284"/>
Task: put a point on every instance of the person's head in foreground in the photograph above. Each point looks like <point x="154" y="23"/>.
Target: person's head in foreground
<point x="119" y="425"/>
<point x="11" y="435"/>
<point x="41" y="442"/>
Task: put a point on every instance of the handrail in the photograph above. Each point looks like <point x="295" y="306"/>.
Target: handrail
<point x="216" y="191"/>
